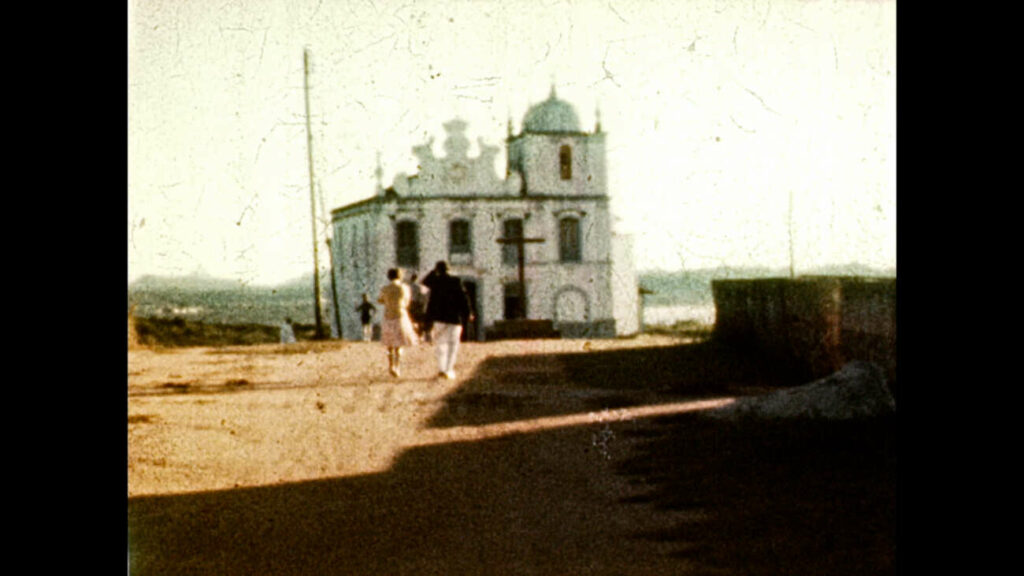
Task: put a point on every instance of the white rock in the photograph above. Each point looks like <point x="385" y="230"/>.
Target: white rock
<point x="857" y="390"/>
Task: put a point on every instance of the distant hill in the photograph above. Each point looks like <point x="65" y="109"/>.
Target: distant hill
<point x="217" y="300"/>
<point x="200" y="282"/>
<point x="693" y="287"/>
<point x="858" y="270"/>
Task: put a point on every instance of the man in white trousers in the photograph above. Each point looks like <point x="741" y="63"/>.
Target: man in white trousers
<point x="447" y="308"/>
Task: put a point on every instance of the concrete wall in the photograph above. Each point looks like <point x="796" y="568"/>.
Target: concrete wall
<point x="868" y="322"/>
<point x="812" y="324"/>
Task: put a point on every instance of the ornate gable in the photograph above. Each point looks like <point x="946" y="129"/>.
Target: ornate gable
<point x="456" y="173"/>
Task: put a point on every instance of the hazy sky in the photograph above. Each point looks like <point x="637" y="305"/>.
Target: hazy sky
<point x="726" y="120"/>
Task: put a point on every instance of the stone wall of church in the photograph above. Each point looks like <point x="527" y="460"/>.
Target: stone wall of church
<point x="357" y="265"/>
<point x="576" y="294"/>
<point x="582" y="297"/>
<point x="625" y="287"/>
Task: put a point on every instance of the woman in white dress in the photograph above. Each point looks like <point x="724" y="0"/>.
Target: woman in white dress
<point x="396" y="328"/>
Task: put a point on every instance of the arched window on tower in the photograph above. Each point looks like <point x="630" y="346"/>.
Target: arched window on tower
<point x="569" y="248"/>
<point x="565" y="161"/>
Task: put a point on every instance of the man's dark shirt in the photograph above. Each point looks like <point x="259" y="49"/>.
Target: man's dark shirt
<point x="448" y="302"/>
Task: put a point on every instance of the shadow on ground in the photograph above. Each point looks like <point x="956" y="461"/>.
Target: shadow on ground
<point x="511" y="387"/>
<point x="773" y="497"/>
<point x="500" y="506"/>
<point x="794" y="498"/>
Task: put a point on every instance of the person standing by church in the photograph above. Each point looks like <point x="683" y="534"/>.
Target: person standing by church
<point x="287" y="332"/>
<point x="447" y="308"/>
<point x="366" y="311"/>
<point x="418" y="307"/>
<point x="396" y="328"/>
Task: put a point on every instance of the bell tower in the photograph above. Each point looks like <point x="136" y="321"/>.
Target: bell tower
<point x="554" y="156"/>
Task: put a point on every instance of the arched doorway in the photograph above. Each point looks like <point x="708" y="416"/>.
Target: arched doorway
<point x="572" y="312"/>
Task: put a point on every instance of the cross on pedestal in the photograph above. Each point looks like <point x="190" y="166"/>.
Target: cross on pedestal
<point x="520" y="243"/>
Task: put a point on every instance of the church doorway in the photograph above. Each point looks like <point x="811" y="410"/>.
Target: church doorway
<point x="512" y="296"/>
<point x="470" y="330"/>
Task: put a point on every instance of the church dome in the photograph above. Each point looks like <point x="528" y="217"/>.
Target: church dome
<point x="551" y="115"/>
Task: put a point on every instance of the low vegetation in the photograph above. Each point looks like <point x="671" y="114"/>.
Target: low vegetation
<point x="178" y="332"/>
<point x="151" y="332"/>
<point x="692" y="328"/>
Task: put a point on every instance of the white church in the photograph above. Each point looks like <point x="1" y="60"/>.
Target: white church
<point x="537" y="244"/>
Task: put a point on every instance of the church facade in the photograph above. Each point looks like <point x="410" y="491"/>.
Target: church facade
<point x="536" y="244"/>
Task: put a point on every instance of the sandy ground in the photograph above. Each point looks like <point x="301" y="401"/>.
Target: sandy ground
<point x="218" y="418"/>
<point x="533" y="494"/>
<point x="310" y="459"/>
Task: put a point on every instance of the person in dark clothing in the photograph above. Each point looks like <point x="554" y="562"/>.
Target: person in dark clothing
<point x="366" y="310"/>
<point x="447" y="308"/>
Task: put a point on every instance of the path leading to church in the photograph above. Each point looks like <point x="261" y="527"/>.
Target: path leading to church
<point x="264" y="460"/>
<point x="311" y="460"/>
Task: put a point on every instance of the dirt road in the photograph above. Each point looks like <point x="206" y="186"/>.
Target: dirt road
<point x="312" y="460"/>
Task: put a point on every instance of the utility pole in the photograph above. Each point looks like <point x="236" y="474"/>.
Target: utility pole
<point x="334" y="290"/>
<point x="312" y="202"/>
<point x="330" y="260"/>
<point x="789" y="226"/>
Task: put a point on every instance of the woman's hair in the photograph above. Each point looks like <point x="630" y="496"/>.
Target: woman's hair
<point x="394" y="273"/>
